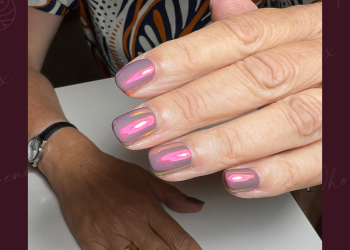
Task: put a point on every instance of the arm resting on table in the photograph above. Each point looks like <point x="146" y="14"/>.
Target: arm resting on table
<point x="44" y="108"/>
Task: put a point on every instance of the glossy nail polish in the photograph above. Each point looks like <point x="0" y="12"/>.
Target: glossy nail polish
<point x="170" y="157"/>
<point x="195" y="200"/>
<point x="241" y="180"/>
<point x="134" y="75"/>
<point x="134" y="125"/>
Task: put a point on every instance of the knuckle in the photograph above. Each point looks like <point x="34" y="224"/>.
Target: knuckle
<point x="305" y="114"/>
<point x="109" y="227"/>
<point x="188" y="103"/>
<point x="266" y="73"/>
<point x="131" y="213"/>
<point x="191" y="56"/>
<point x="291" y="171"/>
<point x="243" y="28"/>
<point x="229" y="144"/>
<point x="180" y="240"/>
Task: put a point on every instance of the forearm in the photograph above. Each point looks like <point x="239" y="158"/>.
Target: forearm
<point x="67" y="148"/>
<point x="43" y="105"/>
<point x="43" y="110"/>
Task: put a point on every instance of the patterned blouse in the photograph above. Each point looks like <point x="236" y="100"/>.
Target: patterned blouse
<point x="117" y="31"/>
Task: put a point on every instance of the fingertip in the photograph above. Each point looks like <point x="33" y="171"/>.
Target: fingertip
<point x="240" y="180"/>
<point x="134" y="125"/>
<point x="182" y="203"/>
<point x="222" y="9"/>
<point x="195" y="200"/>
<point x="134" y="75"/>
<point x="186" y="205"/>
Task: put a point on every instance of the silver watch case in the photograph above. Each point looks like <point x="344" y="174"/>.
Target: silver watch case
<point x="39" y="155"/>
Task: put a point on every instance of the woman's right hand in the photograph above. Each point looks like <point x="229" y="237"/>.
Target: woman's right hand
<point x="109" y="204"/>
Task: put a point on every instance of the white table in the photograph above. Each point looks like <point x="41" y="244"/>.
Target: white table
<point x="225" y="223"/>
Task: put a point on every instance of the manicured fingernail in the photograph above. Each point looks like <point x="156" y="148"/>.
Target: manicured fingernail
<point x="195" y="200"/>
<point x="134" y="75"/>
<point x="170" y="157"/>
<point x="241" y="180"/>
<point x="134" y="125"/>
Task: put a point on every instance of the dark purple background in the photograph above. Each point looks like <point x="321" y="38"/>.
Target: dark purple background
<point x="336" y="86"/>
<point x="13" y="126"/>
<point x="336" y="124"/>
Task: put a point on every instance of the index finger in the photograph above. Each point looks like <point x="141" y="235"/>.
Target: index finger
<point x="177" y="62"/>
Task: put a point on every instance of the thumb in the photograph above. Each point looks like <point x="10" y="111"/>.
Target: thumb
<point x="173" y="198"/>
<point x="221" y="9"/>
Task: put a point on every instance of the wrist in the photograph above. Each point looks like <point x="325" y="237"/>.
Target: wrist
<point x="64" y="152"/>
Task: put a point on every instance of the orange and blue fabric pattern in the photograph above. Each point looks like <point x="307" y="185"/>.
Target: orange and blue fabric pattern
<point x="118" y="31"/>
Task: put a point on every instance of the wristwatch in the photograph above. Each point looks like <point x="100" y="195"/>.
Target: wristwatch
<point x="37" y="143"/>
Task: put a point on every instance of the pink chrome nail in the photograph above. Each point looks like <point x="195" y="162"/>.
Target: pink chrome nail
<point x="170" y="157"/>
<point x="134" y="125"/>
<point x="241" y="179"/>
<point x="134" y="75"/>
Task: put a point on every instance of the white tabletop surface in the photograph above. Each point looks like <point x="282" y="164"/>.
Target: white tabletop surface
<point x="226" y="222"/>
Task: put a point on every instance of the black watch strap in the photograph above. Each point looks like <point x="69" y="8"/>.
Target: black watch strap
<point x="52" y="129"/>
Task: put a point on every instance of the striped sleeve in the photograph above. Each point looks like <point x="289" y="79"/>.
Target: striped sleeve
<point x="56" y="7"/>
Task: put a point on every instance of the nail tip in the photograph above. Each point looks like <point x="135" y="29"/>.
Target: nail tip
<point x="240" y="180"/>
<point x="135" y="75"/>
<point x="134" y="125"/>
<point x="120" y="85"/>
<point x="115" y="130"/>
<point x="169" y="158"/>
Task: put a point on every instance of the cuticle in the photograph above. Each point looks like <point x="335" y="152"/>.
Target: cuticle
<point x="136" y="59"/>
<point x="240" y="167"/>
<point x="156" y="66"/>
<point x="193" y="158"/>
<point x="190" y="167"/>
<point x="188" y="147"/>
<point x="145" y="105"/>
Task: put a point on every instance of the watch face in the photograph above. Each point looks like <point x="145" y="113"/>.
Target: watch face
<point x="33" y="149"/>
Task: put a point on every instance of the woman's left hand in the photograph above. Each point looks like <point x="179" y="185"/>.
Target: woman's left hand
<point x="267" y="57"/>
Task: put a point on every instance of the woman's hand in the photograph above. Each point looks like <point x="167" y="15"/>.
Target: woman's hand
<point x="267" y="57"/>
<point x="109" y="204"/>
